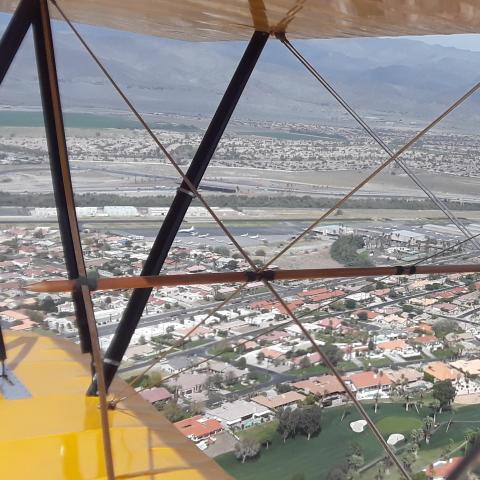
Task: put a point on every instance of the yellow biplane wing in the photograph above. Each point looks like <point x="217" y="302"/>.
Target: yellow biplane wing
<point x="49" y="427"/>
<point x="52" y="430"/>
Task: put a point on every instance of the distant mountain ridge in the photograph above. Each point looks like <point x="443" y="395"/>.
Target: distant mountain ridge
<point x="389" y="79"/>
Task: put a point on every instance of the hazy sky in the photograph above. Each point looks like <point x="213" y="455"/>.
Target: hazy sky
<point x="467" y="42"/>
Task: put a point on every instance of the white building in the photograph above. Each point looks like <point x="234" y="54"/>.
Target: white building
<point x="120" y="211"/>
<point x="239" y="414"/>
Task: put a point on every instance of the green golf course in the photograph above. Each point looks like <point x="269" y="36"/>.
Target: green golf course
<point x="315" y="458"/>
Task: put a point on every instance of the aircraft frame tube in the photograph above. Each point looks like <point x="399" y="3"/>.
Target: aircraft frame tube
<point x="14" y="34"/>
<point x="180" y="204"/>
<point x="54" y="129"/>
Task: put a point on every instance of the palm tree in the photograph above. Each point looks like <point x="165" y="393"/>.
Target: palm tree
<point x="381" y="471"/>
<point x="435" y="406"/>
<point x="380" y="375"/>
<point x="427" y="427"/>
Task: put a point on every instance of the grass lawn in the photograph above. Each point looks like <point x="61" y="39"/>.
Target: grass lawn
<point x="377" y="362"/>
<point x="316" y="457"/>
<point x="444" y="353"/>
<point x="196" y="343"/>
<point x="318" y="369"/>
<point x="262" y="377"/>
<point x="260" y="431"/>
<point x="347" y="365"/>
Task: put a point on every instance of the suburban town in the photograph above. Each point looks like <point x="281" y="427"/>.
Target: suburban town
<point x="240" y="240"/>
<point x="236" y="375"/>
<point x="253" y="144"/>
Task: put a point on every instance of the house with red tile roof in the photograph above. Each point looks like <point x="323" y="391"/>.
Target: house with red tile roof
<point x="392" y="345"/>
<point x="371" y="314"/>
<point x="315" y="291"/>
<point x="12" y="316"/>
<point x="369" y="381"/>
<point x="327" y="387"/>
<point x="442" y="469"/>
<point x="331" y="322"/>
<point x="287" y="399"/>
<point x="274" y="337"/>
<point x="199" y="428"/>
<point x="430" y="341"/>
<point x="272" y="354"/>
<point x="441" y="371"/>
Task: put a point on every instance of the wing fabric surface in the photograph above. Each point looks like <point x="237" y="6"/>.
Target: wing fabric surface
<point x="212" y="20"/>
<point x="56" y="433"/>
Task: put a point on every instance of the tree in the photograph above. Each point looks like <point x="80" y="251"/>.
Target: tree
<point x="288" y="422"/>
<point x="230" y="378"/>
<point x="408" y="459"/>
<point x="246" y="448"/>
<point x="345" y="250"/>
<point x="355" y="462"/>
<point x="427" y="428"/>
<point x="337" y="473"/>
<point x="445" y="326"/>
<point x="371" y="345"/>
<point x="213" y="398"/>
<point x="260" y="252"/>
<point x="34" y="315"/>
<point x="435" y="406"/>
<point x="381" y="471"/>
<point x="350" y="304"/>
<point x="265" y="434"/>
<point x="260" y="357"/>
<point x="416" y="436"/>
<point x="333" y="353"/>
<point x="242" y="363"/>
<point x="173" y="412"/>
<point x="444" y="392"/>
<point x="216" y="380"/>
<point x="305" y="362"/>
<point x="472" y="438"/>
<point x="309" y="420"/>
<point x="283" y="387"/>
<point x="48" y="305"/>
<point x="362" y="315"/>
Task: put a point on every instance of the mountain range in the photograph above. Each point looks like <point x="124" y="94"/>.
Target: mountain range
<point x="383" y="78"/>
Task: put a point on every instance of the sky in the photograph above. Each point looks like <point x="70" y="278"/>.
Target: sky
<point x="465" y="42"/>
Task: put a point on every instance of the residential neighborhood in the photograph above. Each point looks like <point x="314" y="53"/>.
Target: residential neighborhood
<point x="243" y="368"/>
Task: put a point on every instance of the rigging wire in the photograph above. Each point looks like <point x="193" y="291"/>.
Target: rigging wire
<point x="181" y="342"/>
<point x="326" y="360"/>
<point x="379" y="169"/>
<point x="444" y="208"/>
<point x="194" y="191"/>
<point x="305" y="315"/>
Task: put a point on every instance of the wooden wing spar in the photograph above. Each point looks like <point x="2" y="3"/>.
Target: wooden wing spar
<point x="158" y="281"/>
<point x="214" y="20"/>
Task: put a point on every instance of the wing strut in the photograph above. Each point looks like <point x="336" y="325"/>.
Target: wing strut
<point x="14" y="34"/>
<point x="12" y="38"/>
<point x="64" y="199"/>
<point x="62" y="185"/>
<point x="179" y="207"/>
